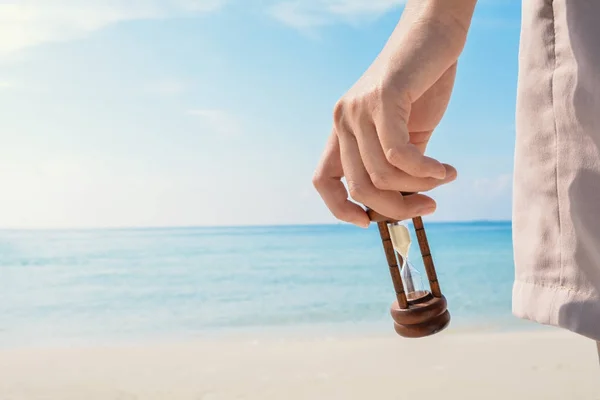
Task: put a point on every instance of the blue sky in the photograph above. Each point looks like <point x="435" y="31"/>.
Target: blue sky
<point x="210" y="112"/>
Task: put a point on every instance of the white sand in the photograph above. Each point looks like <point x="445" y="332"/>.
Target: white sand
<point x="530" y="365"/>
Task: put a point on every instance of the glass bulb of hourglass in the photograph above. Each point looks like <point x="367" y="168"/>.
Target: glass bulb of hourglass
<point x="411" y="278"/>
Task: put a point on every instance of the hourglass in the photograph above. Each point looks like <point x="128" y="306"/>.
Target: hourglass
<point x="417" y="311"/>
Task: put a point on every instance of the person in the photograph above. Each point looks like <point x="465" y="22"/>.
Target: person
<point x="382" y="125"/>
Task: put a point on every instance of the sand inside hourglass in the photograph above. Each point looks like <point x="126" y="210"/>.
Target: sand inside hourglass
<point x="411" y="278"/>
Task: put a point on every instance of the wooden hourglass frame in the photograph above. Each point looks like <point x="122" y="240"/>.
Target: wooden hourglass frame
<point x="426" y="314"/>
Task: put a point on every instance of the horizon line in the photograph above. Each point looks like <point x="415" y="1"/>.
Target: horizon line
<point x="180" y="227"/>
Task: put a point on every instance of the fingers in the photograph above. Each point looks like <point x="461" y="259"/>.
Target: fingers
<point x="420" y="139"/>
<point x="427" y="111"/>
<point x="400" y="152"/>
<point x="327" y="181"/>
<point x="344" y="159"/>
<point x="403" y="182"/>
<point x="386" y="202"/>
<point x="384" y="175"/>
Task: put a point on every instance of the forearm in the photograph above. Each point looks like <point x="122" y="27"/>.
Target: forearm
<point x="454" y="15"/>
<point x="456" y="12"/>
<point x="428" y="40"/>
<point x="448" y="18"/>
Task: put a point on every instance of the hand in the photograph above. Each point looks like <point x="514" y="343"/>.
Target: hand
<point x="383" y="123"/>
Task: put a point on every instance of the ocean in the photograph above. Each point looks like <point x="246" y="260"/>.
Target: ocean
<point x="81" y="286"/>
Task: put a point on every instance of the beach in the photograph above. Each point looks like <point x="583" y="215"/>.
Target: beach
<point x="545" y="365"/>
<point x="286" y="313"/>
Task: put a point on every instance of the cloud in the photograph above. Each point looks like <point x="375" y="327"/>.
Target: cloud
<point x="297" y="16"/>
<point x="218" y="121"/>
<point x="500" y="185"/>
<point x="29" y="23"/>
<point x="470" y="198"/>
<point x="307" y="14"/>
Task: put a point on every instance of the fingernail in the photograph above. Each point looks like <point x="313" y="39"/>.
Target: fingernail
<point x="364" y="224"/>
<point x="440" y="173"/>
<point x="451" y="175"/>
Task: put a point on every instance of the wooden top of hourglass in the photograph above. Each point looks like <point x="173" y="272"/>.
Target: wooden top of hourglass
<point x="426" y="313"/>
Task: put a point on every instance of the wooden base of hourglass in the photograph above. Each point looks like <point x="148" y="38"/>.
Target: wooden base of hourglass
<point x="426" y="315"/>
<point x="422" y="313"/>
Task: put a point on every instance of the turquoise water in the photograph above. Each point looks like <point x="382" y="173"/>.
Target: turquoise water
<point x="141" y="283"/>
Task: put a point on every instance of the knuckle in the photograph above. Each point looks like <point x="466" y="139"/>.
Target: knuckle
<point x="349" y="110"/>
<point x="381" y="180"/>
<point x="338" y="112"/>
<point x="393" y="155"/>
<point x="317" y="180"/>
<point x="354" y="106"/>
<point x="358" y="191"/>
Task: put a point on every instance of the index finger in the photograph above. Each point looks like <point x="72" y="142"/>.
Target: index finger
<point x="327" y="181"/>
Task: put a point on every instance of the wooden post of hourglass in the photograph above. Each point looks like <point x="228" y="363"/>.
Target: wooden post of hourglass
<point x="426" y="314"/>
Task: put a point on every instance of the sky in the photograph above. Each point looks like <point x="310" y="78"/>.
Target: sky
<point x="134" y="113"/>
